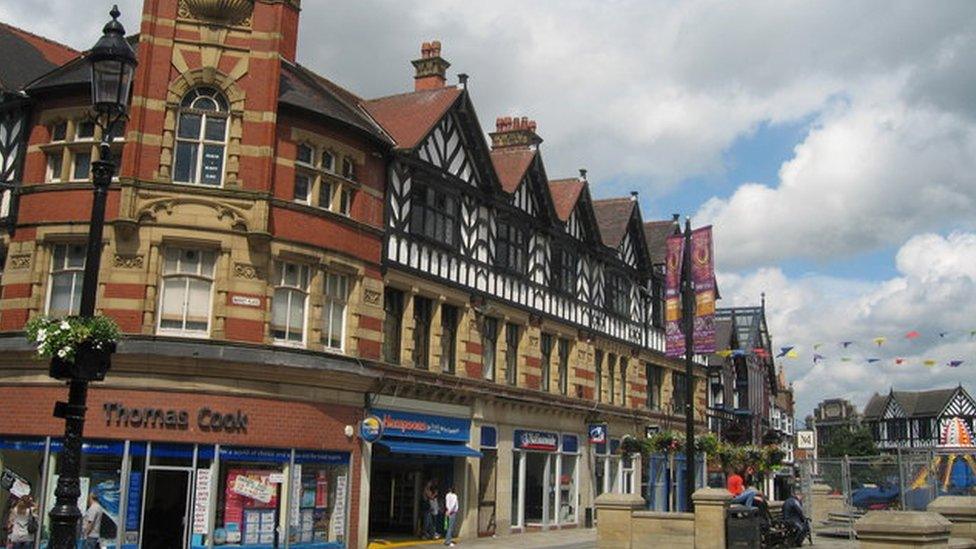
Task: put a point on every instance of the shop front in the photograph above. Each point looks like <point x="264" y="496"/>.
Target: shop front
<point x="545" y="479"/>
<point x="416" y="451"/>
<point x="160" y="489"/>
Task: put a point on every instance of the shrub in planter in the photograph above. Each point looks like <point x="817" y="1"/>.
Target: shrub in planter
<point x="79" y="348"/>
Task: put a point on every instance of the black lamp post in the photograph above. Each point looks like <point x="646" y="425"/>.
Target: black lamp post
<point x="113" y="63"/>
<point x="688" y="325"/>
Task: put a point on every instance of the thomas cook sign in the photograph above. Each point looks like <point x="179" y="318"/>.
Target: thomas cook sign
<point x="208" y="420"/>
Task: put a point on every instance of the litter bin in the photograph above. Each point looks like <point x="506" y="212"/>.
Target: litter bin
<point x="742" y="530"/>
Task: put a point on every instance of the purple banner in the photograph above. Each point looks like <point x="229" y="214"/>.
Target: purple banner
<point x="703" y="275"/>
<point x="674" y="337"/>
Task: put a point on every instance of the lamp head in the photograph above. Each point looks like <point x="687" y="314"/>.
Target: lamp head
<point x="113" y="64"/>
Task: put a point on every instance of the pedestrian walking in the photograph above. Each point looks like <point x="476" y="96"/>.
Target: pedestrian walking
<point x="451" y="508"/>
<point x="92" y="524"/>
<point x="432" y="512"/>
<point x="22" y="524"/>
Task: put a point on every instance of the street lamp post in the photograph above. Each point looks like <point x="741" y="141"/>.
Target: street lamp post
<point x="112" y="65"/>
<point x="688" y="322"/>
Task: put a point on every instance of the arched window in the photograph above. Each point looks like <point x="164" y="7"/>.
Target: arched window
<point x="201" y="138"/>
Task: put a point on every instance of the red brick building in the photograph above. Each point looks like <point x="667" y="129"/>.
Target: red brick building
<point x="285" y="258"/>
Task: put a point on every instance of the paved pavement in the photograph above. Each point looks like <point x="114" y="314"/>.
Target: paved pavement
<point x="577" y="538"/>
<point x="574" y="539"/>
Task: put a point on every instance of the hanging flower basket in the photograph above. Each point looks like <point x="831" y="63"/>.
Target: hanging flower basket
<point x="79" y="348"/>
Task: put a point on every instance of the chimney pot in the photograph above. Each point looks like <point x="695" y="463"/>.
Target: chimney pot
<point x="499" y="124"/>
<point x="532" y="125"/>
<point x="633" y="195"/>
<point x="435" y="48"/>
<point x="463" y="79"/>
<point x="582" y="174"/>
<point x="431" y="68"/>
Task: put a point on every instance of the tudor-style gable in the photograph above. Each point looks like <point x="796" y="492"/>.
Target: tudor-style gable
<point x="961" y="404"/>
<point x="893" y="409"/>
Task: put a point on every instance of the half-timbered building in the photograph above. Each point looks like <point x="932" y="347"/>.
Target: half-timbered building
<point x="286" y="259"/>
<point x="918" y="419"/>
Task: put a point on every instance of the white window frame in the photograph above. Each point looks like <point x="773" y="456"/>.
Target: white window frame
<point x="74" y="159"/>
<point x="304" y="279"/>
<point x="49" y="172"/>
<point x="328" y="303"/>
<point x="305" y="169"/>
<point x="77" y="278"/>
<point x="199" y="276"/>
<point x="201" y="140"/>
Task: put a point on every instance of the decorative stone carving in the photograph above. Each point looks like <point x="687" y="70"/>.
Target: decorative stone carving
<point x="229" y="12"/>
<point x="20" y="261"/>
<point x="129" y="261"/>
<point x="372" y="297"/>
<point x="243" y="270"/>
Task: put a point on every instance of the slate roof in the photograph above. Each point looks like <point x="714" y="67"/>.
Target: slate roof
<point x="26" y="56"/>
<point x="656" y="234"/>
<point x="565" y="194"/>
<point x="914" y="403"/>
<point x="409" y="117"/>
<point x="723" y="340"/>
<point x="510" y="165"/>
<point x="75" y="72"/>
<point x="302" y="88"/>
<point x="612" y="217"/>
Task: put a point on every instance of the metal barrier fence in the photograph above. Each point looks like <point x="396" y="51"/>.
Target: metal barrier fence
<point x="903" y="480"/>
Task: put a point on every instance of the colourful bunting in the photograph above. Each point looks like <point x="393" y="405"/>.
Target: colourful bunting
<point x="929" y="362"/>
<point x="899" y="360"/>
<point x="817" y="358"/>
<point x="738" y="352"/>
<point x="846" y="344"/>
<point x="912" y="335"/>
<point x="879" y="341"/>
<point x="873" y="360"/>
<point x="783" y="351"/>
<point x="955" y="363"/>
<point x="792" y="354"/>
<point x="724" y="354"/>
<point x="943" y="334"/>
<point x="817" y="346"/>
<point x="845" y="359"/>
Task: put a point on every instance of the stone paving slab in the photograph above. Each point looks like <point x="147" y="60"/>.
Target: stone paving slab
<point x="578" y="538"/>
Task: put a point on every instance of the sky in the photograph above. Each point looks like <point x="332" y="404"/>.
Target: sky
<point x="831" y="144"/>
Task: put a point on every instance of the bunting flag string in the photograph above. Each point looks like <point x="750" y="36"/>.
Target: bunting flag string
<point x="783" y="351"/>
<point x="879" y="341"/>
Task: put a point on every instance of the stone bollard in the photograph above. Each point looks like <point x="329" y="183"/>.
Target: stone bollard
<point x="819" y="505"/>
<point x="710" y="505"/>
<point x="883" y="529"/>
<point x="614" y="520"/>
<point x="961" y="512"/>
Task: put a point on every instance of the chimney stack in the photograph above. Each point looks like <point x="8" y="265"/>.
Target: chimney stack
<point x="431" y="67"/>
<point x="512" y="132"/>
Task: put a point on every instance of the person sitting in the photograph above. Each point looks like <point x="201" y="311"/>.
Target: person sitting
<point x="793" y="514"/>
<point x="740" y="494"/>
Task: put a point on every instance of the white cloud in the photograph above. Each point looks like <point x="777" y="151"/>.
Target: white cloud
<point x="933" y="292"/>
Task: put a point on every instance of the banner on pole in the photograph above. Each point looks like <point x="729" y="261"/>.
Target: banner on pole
<point x="674" y="336"/>
<point x="703" y="275"/>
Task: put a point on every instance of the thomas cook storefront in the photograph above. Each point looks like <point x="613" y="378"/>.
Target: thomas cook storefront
<point x="181" y="470"/>
<point x="415" y="449"/>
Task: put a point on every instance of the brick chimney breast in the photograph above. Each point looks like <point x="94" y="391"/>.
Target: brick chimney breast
<point x="431" y="68"/>
<point x="513" y="132"/>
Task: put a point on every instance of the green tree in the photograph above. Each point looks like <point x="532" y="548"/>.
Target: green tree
<point x="851" y="443"/>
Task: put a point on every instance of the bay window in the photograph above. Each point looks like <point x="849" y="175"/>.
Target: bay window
<point x="433" y="214"/>
<point x="510" y="247"/>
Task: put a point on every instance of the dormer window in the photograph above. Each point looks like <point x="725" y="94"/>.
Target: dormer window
<point x="201" y="138"/>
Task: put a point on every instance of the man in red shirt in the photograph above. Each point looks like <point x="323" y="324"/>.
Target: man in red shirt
<point x="740" y="494"/>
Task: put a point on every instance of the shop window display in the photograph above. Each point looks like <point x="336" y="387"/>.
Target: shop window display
<point x="145" y="488"/>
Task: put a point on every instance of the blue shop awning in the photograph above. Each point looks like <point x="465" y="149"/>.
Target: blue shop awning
<point x="429" y="448"/>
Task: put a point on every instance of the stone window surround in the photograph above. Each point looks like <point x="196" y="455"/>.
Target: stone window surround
<point x="71" y="145"/>
<point x="339" y="184"/>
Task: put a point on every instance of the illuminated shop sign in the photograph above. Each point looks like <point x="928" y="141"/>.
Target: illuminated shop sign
<point x="536" y="440"/>
<point x="208" y="420"/>
<point x="414" y="425"/>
